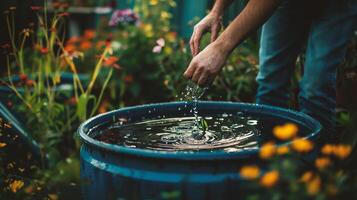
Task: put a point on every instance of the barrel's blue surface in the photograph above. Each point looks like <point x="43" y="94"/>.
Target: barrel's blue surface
<point x="116" y="172"/>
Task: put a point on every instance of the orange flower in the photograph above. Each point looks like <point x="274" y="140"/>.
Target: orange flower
<point x="101" y="44"/>
<point x="313" y="187"/>
<point x="111" y="62"/>
<point x="282" y="150"/>
<point x="30" y="82"/>
<point x="249" y="172"/>
<point x="70" y="48"/>
<point x="270" y="179"/>
<point x="2" y="144"/>
<point x="285" y="132"/>
<point x="73" y="40"/>
<point x="267" y="150"/>
<point x="89" y="34"/>
<point x="103" y="106"/>
<point x="322" y="163"/>
<point x="85" y="45"/>
<point x="342" y="151"/>
<point x="306" y="177"/>
<point x="16" y="185"/>
<point x="302" y="145"/>
<point x="129" y="78"/>
<point x="44" y="50"/>
<point x="328" y="149"/>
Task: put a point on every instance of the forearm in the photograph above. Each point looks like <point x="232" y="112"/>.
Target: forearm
<point x="253" y="16"/>
<point x="219" y="6"/>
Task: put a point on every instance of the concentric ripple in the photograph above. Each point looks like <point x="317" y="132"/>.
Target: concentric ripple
<point x="226" y="131"/>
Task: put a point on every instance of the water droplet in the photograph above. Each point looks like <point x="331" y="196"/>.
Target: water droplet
<point x="225" y="128"/>
<point x="252" y="122"/>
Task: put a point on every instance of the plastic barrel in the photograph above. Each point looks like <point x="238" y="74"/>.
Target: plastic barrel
<point x="117" y="172"/>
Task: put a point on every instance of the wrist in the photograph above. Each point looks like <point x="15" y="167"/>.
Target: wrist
<point x="223" y="45"/>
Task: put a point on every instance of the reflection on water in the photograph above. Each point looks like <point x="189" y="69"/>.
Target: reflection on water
<point x="229" y="132"/>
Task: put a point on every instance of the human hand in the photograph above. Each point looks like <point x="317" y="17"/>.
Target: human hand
<point x="211" y="23"/>
<point x="206" y="65"/>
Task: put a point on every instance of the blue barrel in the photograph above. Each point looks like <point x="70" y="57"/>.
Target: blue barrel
<point x="117" y="172"/>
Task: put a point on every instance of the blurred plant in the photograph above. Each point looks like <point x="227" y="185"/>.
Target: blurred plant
<point x="49" y="116"/>
<point x="300" y="170"/>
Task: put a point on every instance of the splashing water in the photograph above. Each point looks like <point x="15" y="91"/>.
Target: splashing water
<point x="193" y="93"/>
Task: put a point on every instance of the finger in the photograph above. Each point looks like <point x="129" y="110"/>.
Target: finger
<point x="203" y="80"/>
<point x="196" y="40"/>
<point x="214" y="33"/>
<point x="191" y="43"/>
<point x="196" y="75"/>
<point x="190" y="70"/>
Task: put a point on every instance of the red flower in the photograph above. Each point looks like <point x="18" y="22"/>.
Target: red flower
<point x="56" y="5"/>
<point x="36" y="8"/>
<point x="29" y="82"/>
<point x="23" y="77"/>
<point x="72" y="101"/>
<point x="64" y="5"/>
<point x="64" y="14"/>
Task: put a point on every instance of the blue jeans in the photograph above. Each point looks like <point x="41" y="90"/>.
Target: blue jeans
<point x="324" y="30"/>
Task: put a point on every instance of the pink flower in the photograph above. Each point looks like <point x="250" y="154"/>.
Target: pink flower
<point x="126" y="16"/>
<point x="160" y="43"/>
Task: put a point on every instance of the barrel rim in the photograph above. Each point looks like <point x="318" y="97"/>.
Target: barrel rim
<point x="194" y="155"/>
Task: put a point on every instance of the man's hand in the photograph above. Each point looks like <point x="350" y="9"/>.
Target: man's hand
<point x="206" y="65"/>
<point x="211" y="23"/>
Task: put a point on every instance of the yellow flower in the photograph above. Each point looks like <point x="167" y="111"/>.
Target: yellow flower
<point x="270" y="179"/>
<point x="16" y="185"/>
<point x="328" y="149"/>
<point x="302" y="145"/>
<point x="168" y="50"/>
<point x="282" y="150"/>
<point x="2" y="145"/>
<point x="267" y="150"/>
<point x="148" y="30"/>
<point x="165" y="15"/>
<point x="322" y="162"/>
<point x="53" y="196"/>
<point x="171" y="36"/>
<point x="249" y="172"/>
<point x="285" y="132"/>
<point x="342" y="151"/>
<point x="306" y="177"/>
<point x="154" y="2"/>
<point x="313" y="187"/>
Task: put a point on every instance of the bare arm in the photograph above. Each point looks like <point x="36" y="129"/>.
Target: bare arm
<point x="207" y="64"/>
<point x="253" y="16"/>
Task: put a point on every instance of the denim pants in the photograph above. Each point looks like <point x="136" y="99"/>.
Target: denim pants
<point x="324" y="28"/>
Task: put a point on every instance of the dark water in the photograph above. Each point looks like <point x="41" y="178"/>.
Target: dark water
<point x="229" y="132"/>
